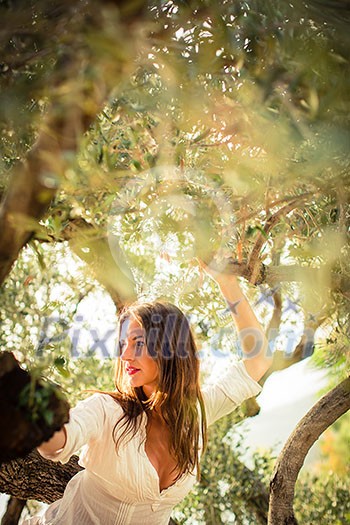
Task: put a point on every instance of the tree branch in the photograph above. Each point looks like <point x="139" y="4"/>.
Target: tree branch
<point x="302" y="350"/>
<point x="13" y="511"/>
<point x="254" y="262"/>
<point x="27" y="199"/>
<point x="273" y="275"/>
<point x="323" y="414"/>
<point x="104" y="258"/>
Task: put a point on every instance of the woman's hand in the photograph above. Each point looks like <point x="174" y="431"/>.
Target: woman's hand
<point x="53" y="445"/>
<point x="223" y="278"/>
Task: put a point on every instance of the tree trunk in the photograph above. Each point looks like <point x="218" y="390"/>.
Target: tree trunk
<point x="34" y="184"/>
<point x="31" y="410"/>
<point x="323" y="414"/>
<point x="73" y="107"/>
<point x="13" y="511"/>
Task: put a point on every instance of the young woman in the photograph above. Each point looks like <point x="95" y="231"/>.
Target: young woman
<point x="143" y="442"/>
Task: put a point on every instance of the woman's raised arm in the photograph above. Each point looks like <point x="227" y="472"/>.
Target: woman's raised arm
<point x="250" y="332"/>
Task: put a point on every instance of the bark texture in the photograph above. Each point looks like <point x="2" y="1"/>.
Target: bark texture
<point x="34" y="477"/>
<point x="31" y="410"/>
<point x="323" y="414"/>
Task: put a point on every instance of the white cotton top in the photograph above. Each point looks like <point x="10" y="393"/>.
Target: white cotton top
<point x="123" y="488"/>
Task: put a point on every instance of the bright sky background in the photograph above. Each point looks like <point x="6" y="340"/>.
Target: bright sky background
<point x="286" y="397"/>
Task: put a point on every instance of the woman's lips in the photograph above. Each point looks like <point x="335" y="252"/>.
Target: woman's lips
<point x="131" y="370"/>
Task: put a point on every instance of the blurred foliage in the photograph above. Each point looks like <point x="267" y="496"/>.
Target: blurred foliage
<point x="335" y="448"/>
<point x="242" y="492"/>
<point x="227" y="131"/>
<point x="322" y="499"/>
<point x="41" y="321"/>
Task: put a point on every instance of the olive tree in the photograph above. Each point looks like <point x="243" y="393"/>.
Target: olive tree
<point x="151" y="133"/>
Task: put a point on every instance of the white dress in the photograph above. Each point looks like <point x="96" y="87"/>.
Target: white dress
<point x="123" y="488"/>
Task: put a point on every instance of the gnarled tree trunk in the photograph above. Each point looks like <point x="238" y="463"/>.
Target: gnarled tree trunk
<point x="31" y="410"/>
<point x="323" y="414"/>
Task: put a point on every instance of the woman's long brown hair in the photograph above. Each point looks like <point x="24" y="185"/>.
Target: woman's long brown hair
<point x="170" y="342"/>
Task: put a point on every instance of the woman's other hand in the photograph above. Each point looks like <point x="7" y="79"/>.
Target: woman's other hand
<point x="54" y="445"/>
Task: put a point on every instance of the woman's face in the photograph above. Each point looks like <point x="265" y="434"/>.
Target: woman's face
<point x="139" y="366"/>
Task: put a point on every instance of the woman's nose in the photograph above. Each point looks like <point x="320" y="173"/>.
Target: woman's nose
<point x="126" y="352"/>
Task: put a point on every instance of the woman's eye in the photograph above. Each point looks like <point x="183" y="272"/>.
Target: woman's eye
<point x="140" y="344"/>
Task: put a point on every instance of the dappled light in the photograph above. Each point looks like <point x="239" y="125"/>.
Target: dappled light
<point x="147" y="146"/>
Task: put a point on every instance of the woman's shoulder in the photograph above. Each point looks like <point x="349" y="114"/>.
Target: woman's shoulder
<point x="109" y="399"/>
<point x="101" y="402"/>
<point x="227" y="389"/>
